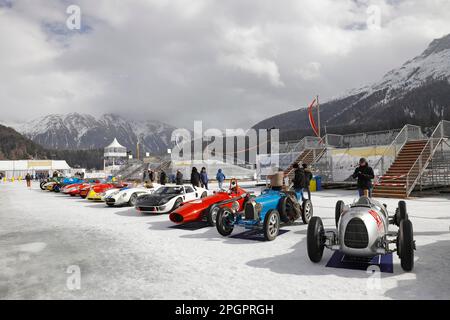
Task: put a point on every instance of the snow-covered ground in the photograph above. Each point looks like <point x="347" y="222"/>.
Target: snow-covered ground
<point x="123" y="254"/>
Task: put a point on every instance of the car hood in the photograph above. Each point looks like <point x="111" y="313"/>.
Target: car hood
<point x="154" y="199"/>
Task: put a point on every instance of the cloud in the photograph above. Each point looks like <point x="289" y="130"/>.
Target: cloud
<point x="229" y="63"/>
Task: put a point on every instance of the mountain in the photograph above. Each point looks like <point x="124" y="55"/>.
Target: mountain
<point x="15" y="146"/>
<point x="81" y="131"/>
<point x="417" y="93"/>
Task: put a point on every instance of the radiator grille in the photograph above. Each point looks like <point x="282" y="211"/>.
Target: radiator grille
<point x="356" y="235"/>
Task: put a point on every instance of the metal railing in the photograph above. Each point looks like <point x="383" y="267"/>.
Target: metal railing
<point x="409" y="132"/>
<point x="412" y="178"/>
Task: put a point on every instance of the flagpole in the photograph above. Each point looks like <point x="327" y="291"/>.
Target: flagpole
<point x="318" y="115"/>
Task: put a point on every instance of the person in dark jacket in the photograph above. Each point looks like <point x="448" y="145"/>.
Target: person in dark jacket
<point x="151" y="175"/>
<point x="308" y="177"/>
<point x="220" y="177"/>
<point x="195" y="177"/>
<point x="145" y="177"/>
<point x="364" y="174"/>
<point x="162" y="177"/>
<point x="179" y="178"/>
<point x="299" y="178"/>
<point x="28" y="178"/>
<point x="204" y="178"/>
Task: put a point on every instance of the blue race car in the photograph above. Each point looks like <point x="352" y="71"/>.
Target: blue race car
<point x="265" y="212"/>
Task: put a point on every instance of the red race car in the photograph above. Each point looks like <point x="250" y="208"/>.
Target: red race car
<point x="75" y="189"/>
<point x="96" y="191"/>
<point x="206" y="209"/>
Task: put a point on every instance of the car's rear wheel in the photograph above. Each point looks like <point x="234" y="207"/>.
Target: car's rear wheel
<point x="211" y="215"/>
<point x="307" y="211"/>
<point x="225" y="221"/>
<point x="406" y="245"/>
<point x="133" y="199"/>
<point x="315" y="239"/>
<point x="287" y="213"/>
<point x="271" y="225"/>
<point x="204" y="195"/>
<point x="338" y="211"/>
<point x="41" y="185"/>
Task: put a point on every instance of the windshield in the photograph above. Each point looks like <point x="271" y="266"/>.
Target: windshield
<point x="169" y="190"/>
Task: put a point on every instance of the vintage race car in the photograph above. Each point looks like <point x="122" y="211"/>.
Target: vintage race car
<point x="266" y="212"/>
<point x="56" y="184"/>
<point x="75" y="189"/>
<point x="168" y="198"/>
<point x="127" y="196"/>
<point x="206" y="209"/>
<point x="97" y="191"/>
<point x="363" y="231"/>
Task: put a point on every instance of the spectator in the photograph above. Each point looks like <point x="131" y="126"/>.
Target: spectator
<point x="220" y="177"/>
<point x="364" y="174"/>
<point x="195" y="177"/>
<point x="28" y="180"/>
<point x="151" y="175"/>
<point x="299" y="178"/>
<point x="204" y="178"/>
<point x="145" y="176"/>
<point x="308" y="177"/>
<point x="179" y="178"/>
<point x="162" y="178"/>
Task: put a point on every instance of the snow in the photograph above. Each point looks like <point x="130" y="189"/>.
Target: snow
<point x="125" y="255"/>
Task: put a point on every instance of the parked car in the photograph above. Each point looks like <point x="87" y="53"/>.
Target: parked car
<point x="266" y="212"/>
<point x="96" y="191"/>
<point x="363" y="231"/>
<point x="206" y="209"/>
<point x="127" y="196"/>
<point x="168" y="198"/>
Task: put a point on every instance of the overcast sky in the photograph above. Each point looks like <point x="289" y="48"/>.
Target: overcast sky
<point x="230" y="63"/>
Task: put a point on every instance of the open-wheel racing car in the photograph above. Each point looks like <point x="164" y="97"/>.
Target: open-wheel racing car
<point x="265" y="212"/>
<point x="168" y="198"/>
<point x="363" y="231"/>
<point x="206" y="209"/>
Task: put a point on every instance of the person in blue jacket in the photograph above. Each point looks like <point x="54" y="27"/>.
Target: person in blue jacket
<point x="220" y="177"/>
<point x="204" y="178"/>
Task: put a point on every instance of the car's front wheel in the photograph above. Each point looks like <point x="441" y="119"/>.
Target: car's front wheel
<point x="225" y="221"/>
<point x="211" y="215"/>
<point x="271" y="225"/>
<point x="315" y="239"/>
<point x="406" y="245"/>
<point x="177" y="204"/>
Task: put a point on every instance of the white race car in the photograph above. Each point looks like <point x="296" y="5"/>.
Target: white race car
<point x="127" y="196"/>
<point x="169" y="197"/>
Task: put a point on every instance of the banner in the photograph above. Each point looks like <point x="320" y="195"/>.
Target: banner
<point x="311" y="117"/>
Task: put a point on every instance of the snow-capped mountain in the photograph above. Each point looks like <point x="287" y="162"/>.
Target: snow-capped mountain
<point x="82" y="131"/>
<point x="418" y="93"/>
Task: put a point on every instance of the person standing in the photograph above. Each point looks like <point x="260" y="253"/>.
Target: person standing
<point x="299" y="178"/>
<point x="162" y="178"/>
<point x="220" y="177"/>
<point x="179" y="178"/>
<point x="195" y="177"/>
<point x="28" y="180"/>
<point x="204" y="178"/>
<point x="145" y="176"/>
<point x="308" y="177"/>
<point x="364" y="174"/>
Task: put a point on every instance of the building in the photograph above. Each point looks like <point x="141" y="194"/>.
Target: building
<point x="115" y="156"/>
<point x="19" y="168"/>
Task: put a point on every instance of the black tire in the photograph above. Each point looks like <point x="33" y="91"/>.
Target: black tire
<point x="204" y="195"/>
<point x="406" y="245"/>
<point x="177" y="204"/>
<point x="338" y="211"/>
<point x="315" y="239"/>
<point x="72" y="195"/>
<point x="41" y="185"/>
<point x="56" y="188"/>
<point x="133" y="199"/>
<point x="286" y="207"/>
<point x="271" y="225"/>
<point x="83" y="196"/>
<point x="224" y="221"/>
<point x="110" y="204"/>
<point x="307" y="211"/>
<point x="211" y="215"/>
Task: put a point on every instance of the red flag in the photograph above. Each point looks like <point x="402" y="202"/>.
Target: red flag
<point x="311" y="117"/>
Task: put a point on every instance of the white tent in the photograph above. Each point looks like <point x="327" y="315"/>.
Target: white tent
<point x="19" y="168"/>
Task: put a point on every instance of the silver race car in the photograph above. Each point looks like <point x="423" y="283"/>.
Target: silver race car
<point x="363" y="231"/>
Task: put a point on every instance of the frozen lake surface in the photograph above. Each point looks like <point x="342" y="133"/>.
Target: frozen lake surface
<point x="122" y="254"/>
